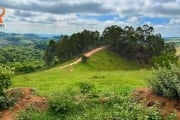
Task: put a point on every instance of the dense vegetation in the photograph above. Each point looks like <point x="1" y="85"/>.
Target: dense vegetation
<point x="139" y="44"/>
<point x="71" y="46"/>
<point x="23" y="59"/>
<point x="166" y="81"/>
<point x="6" y="74"/>
<point x="26" y="40"/>
<point x="87" y="85"/>
<point x="91" y="105"/>
<point x="113" y="78"/>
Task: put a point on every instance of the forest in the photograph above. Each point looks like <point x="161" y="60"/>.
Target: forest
<point x="140" y="44"/>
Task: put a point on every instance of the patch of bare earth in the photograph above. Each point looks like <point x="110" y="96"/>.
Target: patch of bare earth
<point x="26" y="100"/>
<point x="150" y="98"/>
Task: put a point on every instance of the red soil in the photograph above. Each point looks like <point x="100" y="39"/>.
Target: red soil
<point x="27" y="99"/>
<point x="150" y="98"/>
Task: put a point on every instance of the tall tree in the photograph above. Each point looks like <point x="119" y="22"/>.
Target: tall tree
<point x="50" y="52"/>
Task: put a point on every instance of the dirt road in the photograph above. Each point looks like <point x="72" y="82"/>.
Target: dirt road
<point x="88" y="54"/>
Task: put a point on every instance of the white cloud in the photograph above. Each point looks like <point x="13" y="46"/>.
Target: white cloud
<point x="61" y="16"/>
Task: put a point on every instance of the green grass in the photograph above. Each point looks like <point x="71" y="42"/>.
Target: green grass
<point x="178" y="50"/>
<point x="105" y="69"/>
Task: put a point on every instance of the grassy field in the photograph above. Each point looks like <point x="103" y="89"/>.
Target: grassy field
<point x="114" y="79"/>
<point x="178" y="50"/>
<point x="106" y="70"/>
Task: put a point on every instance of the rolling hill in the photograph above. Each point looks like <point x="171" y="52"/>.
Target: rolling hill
<point x="105" y="69"/>
<point x="16" y="39"/>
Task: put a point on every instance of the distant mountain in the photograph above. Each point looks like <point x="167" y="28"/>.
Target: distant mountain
<point x="48" y="35"/>
<point x="17" y="39"/>
<point x="172" y="39"/>
<point x="176" y="40"/>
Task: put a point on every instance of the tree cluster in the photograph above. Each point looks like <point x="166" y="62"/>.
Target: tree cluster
<point x="71" y="46"/>
<point x="22" y="59"/>
<point x="139" y="44"/>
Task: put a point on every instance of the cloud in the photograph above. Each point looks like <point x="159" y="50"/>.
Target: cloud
<point x="24" y="13"/>
<point x="57" y="7"/>
<point x="68" y="16"/>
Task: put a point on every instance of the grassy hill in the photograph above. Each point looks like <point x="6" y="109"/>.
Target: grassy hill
<point x="106" y="70"/>
<point x="178" y="51"/>
<point x="17" y="39"/>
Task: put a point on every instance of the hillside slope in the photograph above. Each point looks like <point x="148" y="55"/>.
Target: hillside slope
<point x="106" y="70"/>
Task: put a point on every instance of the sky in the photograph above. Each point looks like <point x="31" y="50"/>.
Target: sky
<point x="71" y="16"/>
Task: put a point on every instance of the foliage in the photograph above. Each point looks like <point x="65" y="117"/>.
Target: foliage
<point x="18" y="39"/>
<point x="33" y="114"/>
<point x="84" y="59"/>
<point x="125" y="108"/>
<point x="71" y="46"/>
<point x="63" y="104"/>
<point x="6" y="74"/>
<point x="40" y="45"/>
<point x="164" y="60"/>
<point x="22" y="59"/>
<point x="166" y="81"/>
<point x="139" y="44"/>
<point x="107" y="106"/>
<point x="86" y="88"/>
<point x="50" y="52"/>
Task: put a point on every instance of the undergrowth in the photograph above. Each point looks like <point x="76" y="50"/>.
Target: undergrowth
<point x="74" y="105"/>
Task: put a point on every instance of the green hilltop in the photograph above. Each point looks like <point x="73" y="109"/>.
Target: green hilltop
<point x="105" y="69"/>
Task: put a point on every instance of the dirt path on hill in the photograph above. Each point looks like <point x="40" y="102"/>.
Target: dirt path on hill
<point x="27" y="99"/>
<point x="88" y="54"/>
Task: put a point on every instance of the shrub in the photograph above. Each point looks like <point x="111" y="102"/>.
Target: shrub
<point x="68" y="106"/>
<point x="84" y="59"/>
<point x="64" y="104"/>
<point x="166" y="81"/>
<point x="33" y="114"/>
<point x="86" y="88"/>
<point x="5" y="81"/>
<point x="164" y="60"/>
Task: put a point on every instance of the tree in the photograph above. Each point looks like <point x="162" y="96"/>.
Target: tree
<point x="139" y="44"/>
<point x="50" y="52"/>
<point x="76" y="44"/>
<point x="6" y="74"/>
<point x="111" y="35"/>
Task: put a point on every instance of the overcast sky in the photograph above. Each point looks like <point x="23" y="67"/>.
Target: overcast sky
<point x="69" y="16"/>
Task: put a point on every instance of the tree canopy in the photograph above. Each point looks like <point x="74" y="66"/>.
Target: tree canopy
<point x="140" y="44"/>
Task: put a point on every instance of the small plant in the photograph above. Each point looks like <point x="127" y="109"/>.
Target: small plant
<point x="86" y="88"/>
<point x="64" y="104"/>
<point x="166" y="81"/>
<point x="84" y="59"/>
<point x="33" y="114"/>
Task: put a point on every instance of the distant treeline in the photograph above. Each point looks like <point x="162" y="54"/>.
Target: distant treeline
<point x="140" y="44"/>
<point x="23" y="59"/>
<point x="71" y="46"/>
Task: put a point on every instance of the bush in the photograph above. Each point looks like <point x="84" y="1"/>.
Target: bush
<point x="68" y="106"/>
<point x="166" y="81"/>
<point x="10" y="98"/>
<point x="86" y="88"/>
<point x="5" y="81"/>
<point x="33" y="114"/>
<point x="164" y="60"/>
<point x="84" y="59"/>
<point x="64" y="104"/>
